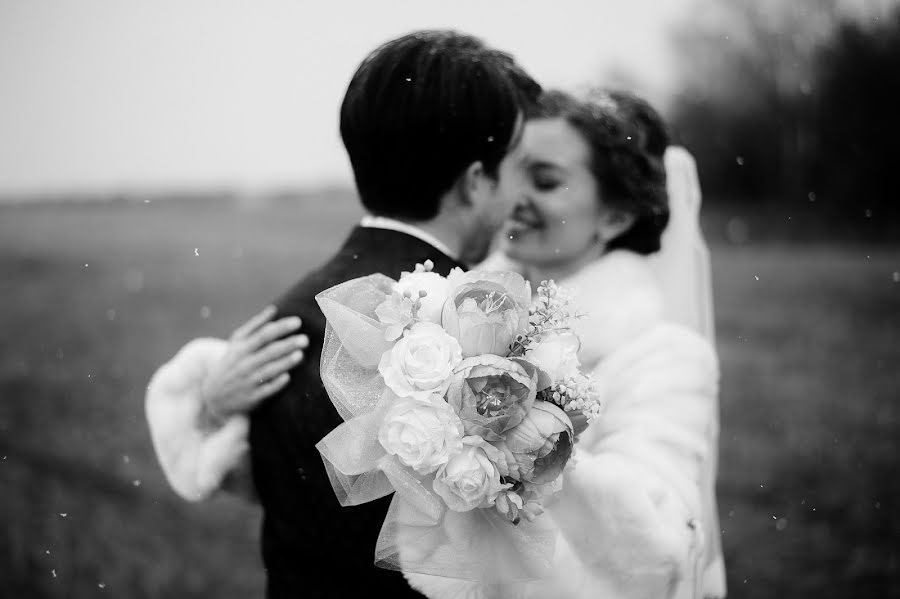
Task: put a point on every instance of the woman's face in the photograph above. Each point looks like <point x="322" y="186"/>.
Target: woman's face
<point x="559" y="214"/>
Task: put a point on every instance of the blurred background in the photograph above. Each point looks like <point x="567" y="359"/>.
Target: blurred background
<point x="168" y="168"/>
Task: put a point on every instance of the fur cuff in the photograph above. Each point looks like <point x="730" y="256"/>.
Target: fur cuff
<point x="194" y="459"/>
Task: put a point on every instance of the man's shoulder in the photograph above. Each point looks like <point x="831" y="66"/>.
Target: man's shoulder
<point x="300" y="298"/>
<point x="365" y="252"/>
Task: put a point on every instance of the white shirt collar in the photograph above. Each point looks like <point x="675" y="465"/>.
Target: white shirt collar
<point x="383" y="222"/>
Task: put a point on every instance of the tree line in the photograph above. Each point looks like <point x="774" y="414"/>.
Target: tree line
<point x="797" y="103"/>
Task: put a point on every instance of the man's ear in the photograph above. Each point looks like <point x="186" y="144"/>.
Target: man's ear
<point x="613" y="223"/>
<point x="474" y="184"/>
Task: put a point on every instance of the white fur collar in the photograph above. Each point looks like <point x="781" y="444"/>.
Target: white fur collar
<point x="621" y="300"/>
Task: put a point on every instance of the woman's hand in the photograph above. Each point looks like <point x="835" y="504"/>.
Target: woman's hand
<point x="255" y="366"/>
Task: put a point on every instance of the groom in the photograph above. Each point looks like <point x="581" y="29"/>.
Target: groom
<point x="431" y="122"/>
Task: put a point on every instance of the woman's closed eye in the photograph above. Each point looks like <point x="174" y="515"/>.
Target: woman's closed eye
<point x="545" y="180"/>
<point x="543" y="183"/>
<point x="544" y="176"/>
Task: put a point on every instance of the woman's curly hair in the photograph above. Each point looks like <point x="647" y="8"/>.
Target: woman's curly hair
<point x="628" y="139"/>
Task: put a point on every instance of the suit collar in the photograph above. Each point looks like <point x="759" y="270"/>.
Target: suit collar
<point x="396" y="247"/>
<point x="391" y="224"/>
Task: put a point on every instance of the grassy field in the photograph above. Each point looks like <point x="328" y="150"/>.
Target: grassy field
<point x="95" y="296"/>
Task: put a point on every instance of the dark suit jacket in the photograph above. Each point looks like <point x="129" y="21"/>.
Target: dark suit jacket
<point x="313" y="547"/>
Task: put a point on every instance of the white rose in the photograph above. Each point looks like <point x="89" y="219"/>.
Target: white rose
<point x="436" y="287"/>
<point x="471" y="479"/>
<point x="421" y="362"/>
<point x="423" y="434"/>
<point x="557" y="356"/>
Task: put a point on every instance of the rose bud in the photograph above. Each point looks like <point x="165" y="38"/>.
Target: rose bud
<point x="541" y="444"/>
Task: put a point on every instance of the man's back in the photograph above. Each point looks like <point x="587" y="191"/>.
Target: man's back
<point x="313" y="547"/>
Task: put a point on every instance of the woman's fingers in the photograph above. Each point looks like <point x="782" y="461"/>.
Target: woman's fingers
<point x="276" y="350"/>
<point x="257" y="362"/>
<point x="272" y="331"/>
<point x="268" y="389"/>
<point x="274" y="368"/>
<point x="249" y="327"/>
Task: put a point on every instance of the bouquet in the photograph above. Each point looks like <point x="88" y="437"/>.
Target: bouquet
<point x="464" y="395"/>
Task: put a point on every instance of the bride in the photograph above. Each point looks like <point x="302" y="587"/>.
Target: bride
<point x="601" y="194"/>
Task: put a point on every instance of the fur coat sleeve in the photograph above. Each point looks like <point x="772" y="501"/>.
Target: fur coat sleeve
<point x="197" y="458"/>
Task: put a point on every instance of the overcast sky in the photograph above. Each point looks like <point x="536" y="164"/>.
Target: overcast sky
<point x="104" y="95"/>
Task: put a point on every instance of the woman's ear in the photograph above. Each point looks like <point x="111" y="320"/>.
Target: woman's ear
<point x="613" y="223"/>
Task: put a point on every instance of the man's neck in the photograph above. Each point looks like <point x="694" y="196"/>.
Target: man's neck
<point x="443" y="231"/>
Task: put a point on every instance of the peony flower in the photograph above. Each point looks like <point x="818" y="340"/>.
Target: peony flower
<point x="556" y="356"/>
<point x="436" y="288"/>
<point x="471" y="479"/>
<point x="421" y="362"/>
<point x="541" y="444"/>
<point x="486" y="310"/>
<point x="423" y="434"/>
<point x="491" y="394"/>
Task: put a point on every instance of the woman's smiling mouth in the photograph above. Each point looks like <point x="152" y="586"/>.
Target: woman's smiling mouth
<point x="523" y="220"/>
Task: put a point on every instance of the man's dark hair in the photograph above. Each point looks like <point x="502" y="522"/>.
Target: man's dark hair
<point x="420" y="109"/>
<point x="628" y="139"/>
